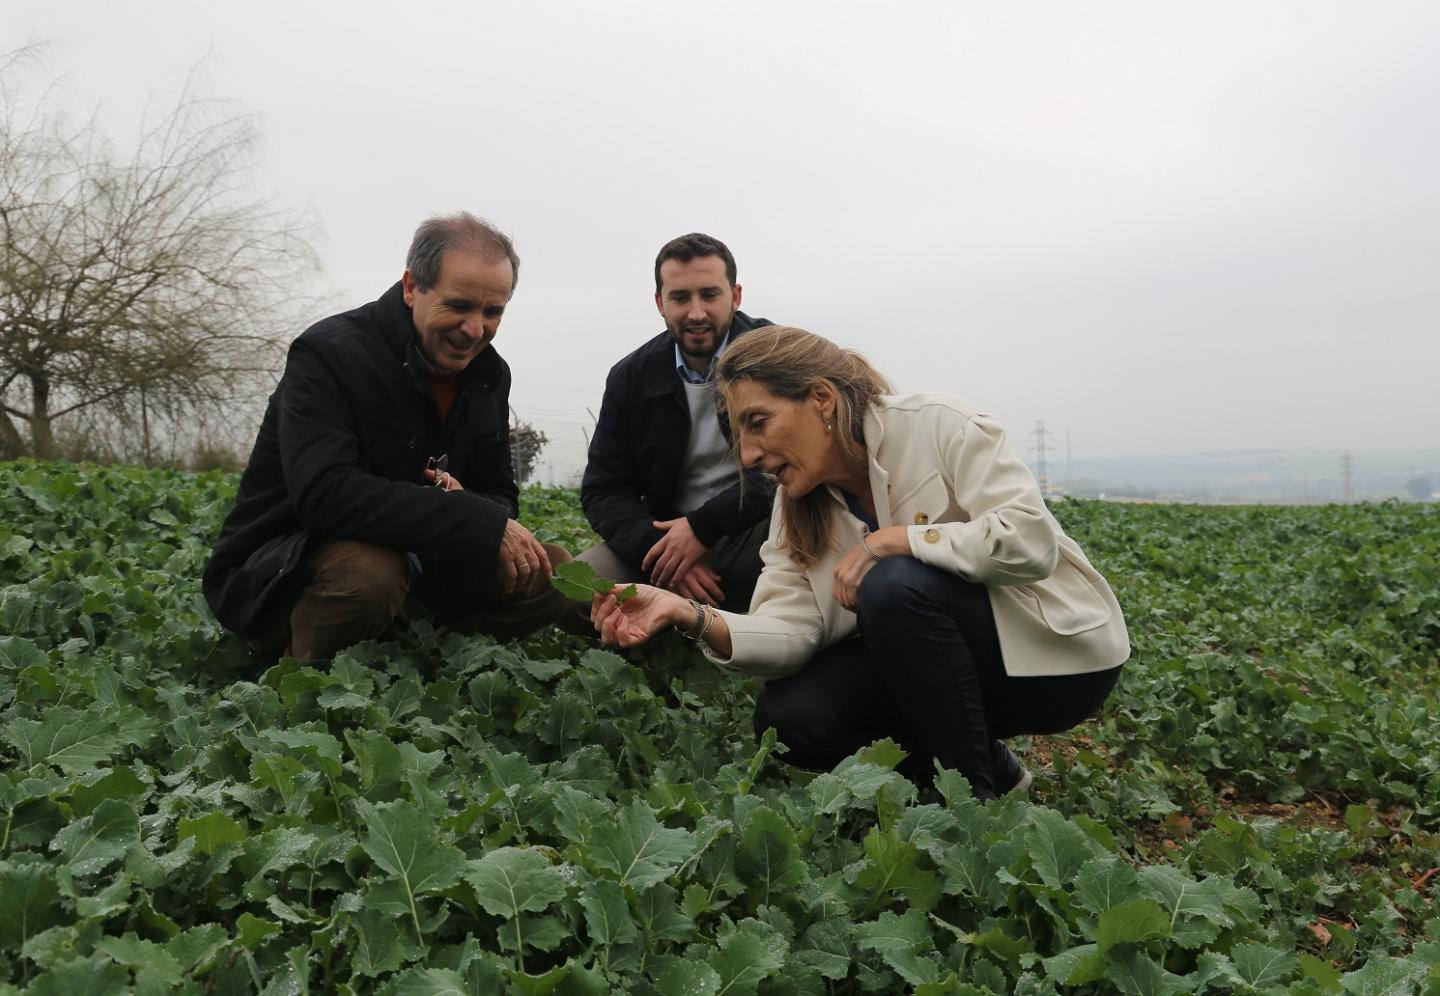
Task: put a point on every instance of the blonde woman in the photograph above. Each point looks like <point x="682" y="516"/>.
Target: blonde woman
<point x="915" y="586"/>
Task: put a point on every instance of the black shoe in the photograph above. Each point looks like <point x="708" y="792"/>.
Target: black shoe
<point x="1008" y="774"/>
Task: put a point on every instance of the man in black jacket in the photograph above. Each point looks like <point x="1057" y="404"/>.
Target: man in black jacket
<point x="661" y="486"/>
<point x="353" y="493"/>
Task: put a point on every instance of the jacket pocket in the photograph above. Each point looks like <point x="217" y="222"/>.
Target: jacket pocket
<point x="1068" y="601"/>
<point x="277" y="557"/>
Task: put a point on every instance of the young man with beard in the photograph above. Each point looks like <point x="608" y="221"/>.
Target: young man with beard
<point x="353" y="497"/>
<point x="661" y="486"/>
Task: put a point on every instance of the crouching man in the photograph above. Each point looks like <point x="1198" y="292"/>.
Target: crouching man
<point x="382" y="468"/>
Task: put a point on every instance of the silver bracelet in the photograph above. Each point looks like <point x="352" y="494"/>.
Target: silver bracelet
<point x="873" y="555"/>
<point x="701" y="623"/>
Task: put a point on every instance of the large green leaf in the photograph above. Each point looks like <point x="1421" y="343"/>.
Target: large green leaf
<point x="404" y="843"/>
<point x="29" y="900"/>
<point x="768" y="859"/>
<point x="94" y="842"/>
<point x="683" y="977"/>
<point x="511" y="880"/>
<point x="746" y="957"/>
<point x="92" y="976"/>
<point x="607" y="913"/>
<point x="1104" y="882"/>
<point x="1134" y="922"/>
<point x="892" y="869"/>
<point x="66" y="738"/>
<point x="1058" y="848"/>
<point x="638" y="849"/>
<point x="145" y="957"/>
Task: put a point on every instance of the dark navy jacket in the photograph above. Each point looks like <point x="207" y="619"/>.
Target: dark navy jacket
<point x="636" y="456"/>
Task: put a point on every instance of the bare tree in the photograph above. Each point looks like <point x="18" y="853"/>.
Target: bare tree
<point x="140" y="291"/>
<point x="526" y="442"/>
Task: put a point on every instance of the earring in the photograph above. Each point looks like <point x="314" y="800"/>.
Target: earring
<point x="828" y="425"/>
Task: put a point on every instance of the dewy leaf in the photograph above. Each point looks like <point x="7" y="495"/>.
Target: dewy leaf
<point x="638" y="848"/>
<point x="211" y="831"/>
<point x="607" y="914"/>
<point x="826" y="946"/>
<point x="1103" y="883"/>
<point x="1384" y="976"/>
<point x="1136" y="974"/>
<point x="1077" y="966"/>
<point x="579" y="581"/>
<point x="1263" y="966"/>
<point x="746" y="957"/>
<point x="429" y="982"/>
<point x="403" y="842"/>
<point x="71" y="740"/>
<point x="686" y="977"/>
<point x="1184" y="896"/>
<point x="93" y="842"/>
<point x="511" y="880"/>
<point x="893" y="868"/>
<point x="1133" y="922"/>
<point x="1057" y="847"/>
<point x="195" y="948"/>
<point x="380" y="946"/>
<point x="767" y="860"/>
<point x="275" y="850"/>
<point x="891" y="933"/>
<point x="92" y="976"/>
<point x="29" y="900"/>
<point x="143" y="956"/>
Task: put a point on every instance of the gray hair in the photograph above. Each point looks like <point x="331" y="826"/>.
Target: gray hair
<point x="437" y="236"/>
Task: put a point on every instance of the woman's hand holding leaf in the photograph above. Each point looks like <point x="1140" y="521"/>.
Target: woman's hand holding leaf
<point x="638" y="618"/>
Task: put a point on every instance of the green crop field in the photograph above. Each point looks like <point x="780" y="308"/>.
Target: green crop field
<point x="1256" y="811"/>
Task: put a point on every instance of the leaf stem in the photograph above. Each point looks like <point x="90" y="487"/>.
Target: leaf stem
<point x="414" y="915"/>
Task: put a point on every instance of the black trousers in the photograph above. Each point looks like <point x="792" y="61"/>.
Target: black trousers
<point x="926" y="671"/>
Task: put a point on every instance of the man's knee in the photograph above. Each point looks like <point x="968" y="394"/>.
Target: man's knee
<point x="374" y="578"/>
<point x="557" y="554"/>
<point x="609" y="564"/>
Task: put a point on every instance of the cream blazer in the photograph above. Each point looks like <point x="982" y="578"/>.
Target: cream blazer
<point x="970" y="505"/>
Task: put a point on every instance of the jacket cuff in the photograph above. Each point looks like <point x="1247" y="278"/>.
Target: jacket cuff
<point x="703" y="522"/>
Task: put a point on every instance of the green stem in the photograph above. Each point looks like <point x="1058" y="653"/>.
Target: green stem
<point x="414" y="916"/>
<point x="5" y="840"/>
<point x="519" y="946"/>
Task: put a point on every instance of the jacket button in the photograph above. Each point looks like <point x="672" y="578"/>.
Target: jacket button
<point x="921" y="519"/>
<point x="932" y="536"/>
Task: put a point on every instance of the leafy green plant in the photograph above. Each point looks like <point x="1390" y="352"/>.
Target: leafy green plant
<point x="578" y="580"/>
<point x="1253" y="811"/>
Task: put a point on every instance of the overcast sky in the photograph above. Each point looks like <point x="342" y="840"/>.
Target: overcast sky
<point x="1160" y="228"/>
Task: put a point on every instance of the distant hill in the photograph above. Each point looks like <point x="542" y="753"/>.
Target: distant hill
<point x="1252" y="475"/>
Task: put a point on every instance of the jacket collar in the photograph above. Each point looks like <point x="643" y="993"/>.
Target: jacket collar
<point x="874" y="430"/>
<point x="658" y="377"/>
<point x="395" y="323"/>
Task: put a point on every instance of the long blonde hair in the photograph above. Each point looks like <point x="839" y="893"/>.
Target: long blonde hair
<point x="790" y="362"/>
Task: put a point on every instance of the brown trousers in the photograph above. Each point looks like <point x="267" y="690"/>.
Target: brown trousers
<point x="347" y="591"/>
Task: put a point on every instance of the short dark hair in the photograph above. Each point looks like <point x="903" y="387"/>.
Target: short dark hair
<point x="693" y="246"/>
<point x="438" y="235"/>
